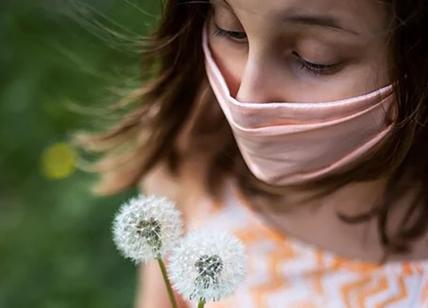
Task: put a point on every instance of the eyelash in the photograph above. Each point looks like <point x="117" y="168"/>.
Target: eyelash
<point x="313" y="68"/>
<point x="228" y="34"/>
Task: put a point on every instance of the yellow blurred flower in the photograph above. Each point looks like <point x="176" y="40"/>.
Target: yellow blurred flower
<point x="58" y="161"/>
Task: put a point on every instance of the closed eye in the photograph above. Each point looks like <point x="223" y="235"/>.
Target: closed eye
<point x="237" y="36"/>
<point x="316" y="68"/>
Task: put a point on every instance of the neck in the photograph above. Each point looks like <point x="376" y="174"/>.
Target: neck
<point x="351" y="199"/>
<point x="316" y="221"/>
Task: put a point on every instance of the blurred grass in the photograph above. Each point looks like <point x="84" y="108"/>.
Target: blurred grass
<point x="55" y="237"/>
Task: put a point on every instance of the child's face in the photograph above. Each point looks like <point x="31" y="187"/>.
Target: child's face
<point x="266" y="58"/>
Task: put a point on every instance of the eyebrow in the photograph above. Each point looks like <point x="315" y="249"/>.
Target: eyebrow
<point x="315" y="20"/>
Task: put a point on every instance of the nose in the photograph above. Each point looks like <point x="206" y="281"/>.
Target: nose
<point x="258" y="83"/>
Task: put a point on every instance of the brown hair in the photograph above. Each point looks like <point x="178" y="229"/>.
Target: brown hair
<point x="148" y="133"/>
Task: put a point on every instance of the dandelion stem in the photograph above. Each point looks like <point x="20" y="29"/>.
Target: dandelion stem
<point x="201" y="303"/>
<point x="167" y="283"/>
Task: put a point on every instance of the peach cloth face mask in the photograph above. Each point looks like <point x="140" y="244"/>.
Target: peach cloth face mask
<point x="286" y="143"/>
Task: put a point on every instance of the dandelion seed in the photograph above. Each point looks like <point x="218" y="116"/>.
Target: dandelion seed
<point x="146" y="227"/>
<point x="207" y="266"/>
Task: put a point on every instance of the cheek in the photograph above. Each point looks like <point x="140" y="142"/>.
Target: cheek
<point x="230" y="62"/>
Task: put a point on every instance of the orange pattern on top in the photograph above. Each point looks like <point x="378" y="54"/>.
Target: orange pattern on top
<point x="309" y="277"/>
<point x="396" y="297"/>
<point x="379" y="286"/>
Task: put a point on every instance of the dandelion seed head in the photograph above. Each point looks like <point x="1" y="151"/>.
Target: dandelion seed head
<point x="207" y="266"/>
<point x="146" y="227"/>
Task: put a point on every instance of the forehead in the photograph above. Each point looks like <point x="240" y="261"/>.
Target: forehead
<point x="362" y="16"/>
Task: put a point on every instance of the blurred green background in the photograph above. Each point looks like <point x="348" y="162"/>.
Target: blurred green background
<point x="56" y="248"/>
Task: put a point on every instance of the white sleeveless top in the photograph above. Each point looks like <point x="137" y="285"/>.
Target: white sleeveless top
<point x="285" y="272"/>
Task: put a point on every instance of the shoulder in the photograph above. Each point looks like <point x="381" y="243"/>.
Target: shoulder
<point x="160" y="181"/>
<point x="186" y="188"/>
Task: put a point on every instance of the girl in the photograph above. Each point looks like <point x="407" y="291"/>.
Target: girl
<point x="300" y="127"/>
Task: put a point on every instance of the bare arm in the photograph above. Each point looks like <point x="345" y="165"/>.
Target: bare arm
<point x="185" y="191"/>
<point x="151" y="291"/>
